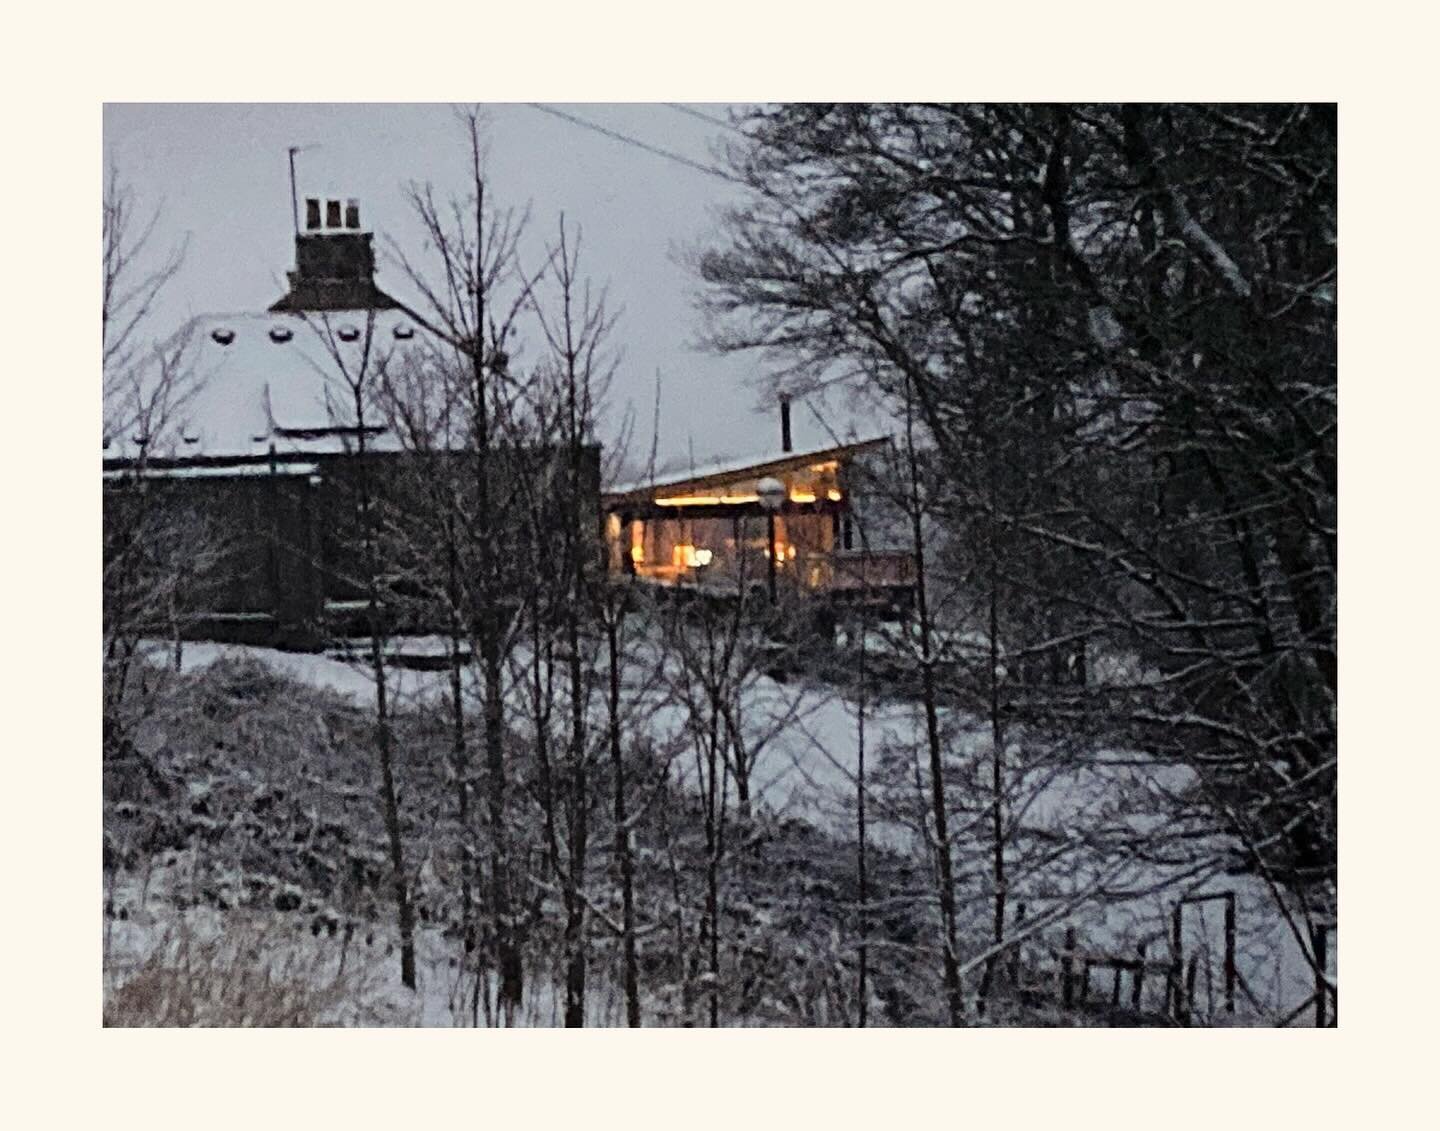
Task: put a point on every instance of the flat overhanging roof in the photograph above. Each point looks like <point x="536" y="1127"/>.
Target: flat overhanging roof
<point x="702" y="479"/>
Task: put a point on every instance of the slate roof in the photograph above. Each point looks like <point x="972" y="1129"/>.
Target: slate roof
<point x="257" y="377"/>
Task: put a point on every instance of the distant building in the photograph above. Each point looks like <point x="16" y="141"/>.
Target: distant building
<point x="263" y="449"/>
<point x="263" y="452"/>
<point x="707" y="527"/>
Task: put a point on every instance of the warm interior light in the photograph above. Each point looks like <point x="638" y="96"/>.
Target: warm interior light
<point x="705" y="500"/>
<point x="686" y="556"/>
<point x="637" y="554"/>
<point x="802" y="496"/>
<point x="833" y="495"/>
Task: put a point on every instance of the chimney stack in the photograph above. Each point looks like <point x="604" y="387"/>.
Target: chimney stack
<point x="785" y="444"/>
<point x="334" y="261"/>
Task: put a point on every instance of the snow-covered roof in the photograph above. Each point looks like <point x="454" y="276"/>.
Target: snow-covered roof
<point x="257" y="377"/>
<point x="285" y="468"/>
<point x="753" y="466"/>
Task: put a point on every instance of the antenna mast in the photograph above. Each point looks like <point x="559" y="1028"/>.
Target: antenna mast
<point x="294" y="200"/>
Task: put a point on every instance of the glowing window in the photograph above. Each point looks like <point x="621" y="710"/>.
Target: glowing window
<point x="686" y="556"/>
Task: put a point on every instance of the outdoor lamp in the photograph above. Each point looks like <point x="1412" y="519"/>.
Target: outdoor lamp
<point x="772" y="494"/>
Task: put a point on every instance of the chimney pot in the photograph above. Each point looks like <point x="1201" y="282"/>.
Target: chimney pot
<point x="332" y="214"/>
<point x="312" y="214"/>
<point x="785" y="444"/>
<point x="352" y="214"/>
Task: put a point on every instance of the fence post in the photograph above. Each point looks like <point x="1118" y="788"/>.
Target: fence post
<point x="1230" y="952"/>
<point x="1139" y="982"/>
<point x="1015" y="950"/>
<point x="1173" y="988"/>
<point x="1067" y="970"/>
<point x="1190" y="987"/>
<point x="1319" y="937"/>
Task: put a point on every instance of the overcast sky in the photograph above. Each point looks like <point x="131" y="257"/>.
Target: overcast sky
<point x="220" y="175"/>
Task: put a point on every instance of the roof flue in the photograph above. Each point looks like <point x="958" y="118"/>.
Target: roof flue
<point x="334" y="262"/>
<point x="330" y="215"/>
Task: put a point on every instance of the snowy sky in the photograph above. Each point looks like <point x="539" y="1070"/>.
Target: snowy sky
<point x="220" y="175"/>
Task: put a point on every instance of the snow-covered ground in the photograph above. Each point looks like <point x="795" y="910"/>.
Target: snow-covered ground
<point x="319" y="669"/>
<point x="1077" y="866"/>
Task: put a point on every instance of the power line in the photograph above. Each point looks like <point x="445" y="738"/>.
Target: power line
<point x="700" y="115"/>
<point x="668" y="155"/>
<point x="626" y="139"/>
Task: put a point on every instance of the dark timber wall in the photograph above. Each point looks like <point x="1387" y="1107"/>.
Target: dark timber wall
<point x="278" y="558"/>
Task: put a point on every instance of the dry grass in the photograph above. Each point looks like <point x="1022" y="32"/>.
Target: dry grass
<point x="245" y="976"/>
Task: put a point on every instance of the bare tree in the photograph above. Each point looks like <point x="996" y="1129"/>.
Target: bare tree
<point x="147" y="378"/>
<point x="474" y="261"/>
<point x="1150" y="291"/>
<point x="427" y="407"/>
<point x="360" y="377"/>
<point x="577" y="335"/>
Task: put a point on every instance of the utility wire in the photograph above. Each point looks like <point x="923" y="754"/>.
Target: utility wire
<point x="626" y="139"/>
<point x="710" y="170"/>
<point x="701" y="116"/>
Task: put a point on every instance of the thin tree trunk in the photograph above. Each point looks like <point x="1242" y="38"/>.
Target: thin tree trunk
<point x="997" y="744"/>
<point x="383" y="737"/>
<point x="578" y="543"/>
<point x="946" y="880"/>
<point x="714" y="812"/>
<point x="461" y="759"/>
<point x="630" y="966"/>
<point x="578" y="806"/>
<point x="863" y="989"/>
<point x="507" y="944"/>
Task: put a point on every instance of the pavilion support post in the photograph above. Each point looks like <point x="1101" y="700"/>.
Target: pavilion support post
<point x="770" y="552"/>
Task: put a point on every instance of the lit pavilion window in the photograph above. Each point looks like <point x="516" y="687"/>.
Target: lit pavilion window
<point x="686" y="556"/>
<point x="706" y="500"/>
